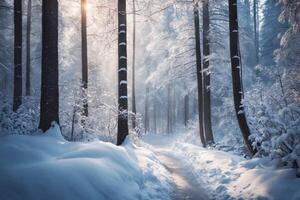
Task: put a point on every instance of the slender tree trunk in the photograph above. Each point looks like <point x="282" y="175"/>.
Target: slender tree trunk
<point x="84" y="57"/>
<point x="199" y="72"/>
<point x="155" y="115"/>
<point x="173" y="115"/>
<point x="147" y="117"/>
<point x="238" y="93"/>
<point x="256" y="27"/>
<point x="49" y="106"/>
<point x="28" y="55"/>
<point x="122" y="52"/>
<point x="169" y="109"/>
<point x="133" y="64"/>
<point x="17" y="55"/>
<point x="186" y="108"/>
<point x="206" y="75"/>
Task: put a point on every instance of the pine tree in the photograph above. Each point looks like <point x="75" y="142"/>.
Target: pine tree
<point x="235" y="57"/>
<point x="199" y="72"/>
<point x="122" y="53"/>
<point x="133" y="64"/>
<point x="206" y="76"/>
<point x="49" y="91"/>
<point x="28" y="49"/>
<point x="18" y="55"/>
<point x="270" y="32"/>
<point x="84" y="58"/>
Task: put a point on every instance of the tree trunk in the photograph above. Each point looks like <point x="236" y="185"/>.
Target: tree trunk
<point x="84" y="58"/>
<point x="256" y="32"/>
<point x="18" y="55"/>
<point x="147" y="117"/>
<point x="49" y="85"/>
<point x="199" y="72"/>
<point x="122" y="52"/>
<point x="206" y="76"/>
<point x="133" y="64"/>
<point x="28" y="55"/>
<point x="238" y="93"/>
<point x="186" y="108"/>
<point x="155" y="115"/>
<point x="169" y="109"/>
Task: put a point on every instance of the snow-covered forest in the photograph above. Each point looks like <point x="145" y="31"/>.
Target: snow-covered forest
<point x="149" y="99"/>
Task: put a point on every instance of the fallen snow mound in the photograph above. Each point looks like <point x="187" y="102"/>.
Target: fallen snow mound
<point x="228" y="176"/>
<point x="48" y="167"/>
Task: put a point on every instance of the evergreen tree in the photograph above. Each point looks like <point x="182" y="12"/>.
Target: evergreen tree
<point x="28" y="49"/>
<point x="18" y="55"/>
<point x="238" y="93"/>
<point x="122" y="53"/>
<point x="84" y="57"/>
<point x="49" y="91"/>
<point x="199" y="72"/>
<point x="206" y="75"/>
<point x="270" y="32"/>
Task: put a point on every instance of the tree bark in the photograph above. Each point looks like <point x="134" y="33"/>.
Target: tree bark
<point x="28" y="54"/>
<point x="238" y="93"/>
<point x="199" y="72"/>
<point x="133" y="64"/>
<point x="256" y="30"/>
<point x="17" y="100"/>
<point x="84" y="57"/>
<point x="147" y="117"/>
<point x="49" y="85"/>
<point x="169" y="109"/>
<point x="122" y="52"/>
<point x="206" y="76"/>
<point x="186" y="108"/>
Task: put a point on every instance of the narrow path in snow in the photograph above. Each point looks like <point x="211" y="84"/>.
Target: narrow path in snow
<point x="186" y="185"/>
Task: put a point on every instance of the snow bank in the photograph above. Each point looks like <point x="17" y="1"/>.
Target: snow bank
<point x="48" y="167"/>
<point x="228" y="176"/>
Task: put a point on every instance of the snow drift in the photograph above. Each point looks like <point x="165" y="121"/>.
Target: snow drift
<point x="49" y="167"/>
<point x="227" y="176"/>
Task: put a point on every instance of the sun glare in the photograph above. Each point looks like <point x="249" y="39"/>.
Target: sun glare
<point x="89" y="8"/>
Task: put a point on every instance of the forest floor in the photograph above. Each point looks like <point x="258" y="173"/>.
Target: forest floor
<point x="186" y="186"/>
<point x="201" y="173"/>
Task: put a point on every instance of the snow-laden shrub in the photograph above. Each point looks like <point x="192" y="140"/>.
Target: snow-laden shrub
<point x="22" y="122"/>
<point x="101" y="122"/>
<point x="274" y="118"/>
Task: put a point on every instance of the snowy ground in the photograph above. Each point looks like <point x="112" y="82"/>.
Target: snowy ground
<point x="48" y="167"/>
<point x="227" y="176"/>
<point x="185" y="183"/>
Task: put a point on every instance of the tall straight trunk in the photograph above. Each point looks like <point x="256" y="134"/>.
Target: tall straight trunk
<point x="49" y="106"/>
<point x="256" y="31"/>
<point x="122" y="53"/>
<point x="17" y="101"/>
<point x="28" y="55"/>
<point x="84" y="57"/>
<point x="154" y="115"/>
<point x="147" y="117"/>
<point x="199" y="72"/>
<point x="133" y="64"/>
<point x="235" y="56"/>
<point x="206" y="76"/>
<point x="186" y="110"/>
<point x="186" y="107"/>
<point x="173" y="111"/>
<point x="169" y="109"/>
